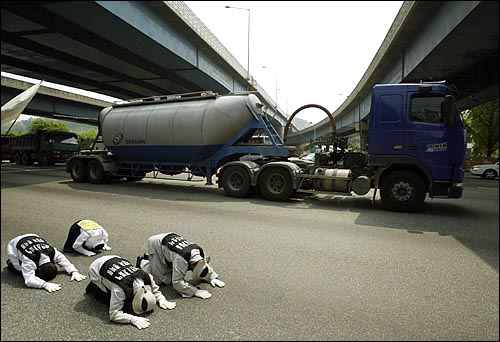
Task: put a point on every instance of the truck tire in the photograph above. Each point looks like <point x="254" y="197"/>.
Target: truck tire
<point x="17" y="159"/>
<point x="403" y="191"/>
<point x="78" y="171"/>
<point x="96" y="174"/>
<point x="489" y="174"/>
<point x="236" y="181"/>
<point x="44" y="159"/>
<point x="26" y="159"/>
<point x="275" y="184"/>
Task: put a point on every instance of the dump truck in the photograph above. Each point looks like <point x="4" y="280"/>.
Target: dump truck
<point x="44" y="147"/>
<point x="416" y="147"/>
<point x="7" y="153"/>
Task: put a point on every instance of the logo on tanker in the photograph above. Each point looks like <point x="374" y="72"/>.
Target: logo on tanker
<point x="135" y="141"/>
<point x="118" y="139"/>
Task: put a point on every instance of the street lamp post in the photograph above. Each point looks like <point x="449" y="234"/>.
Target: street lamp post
<point x="248" y="40"/>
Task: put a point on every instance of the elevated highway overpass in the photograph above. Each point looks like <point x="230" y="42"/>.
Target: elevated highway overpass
<point x="137" y="49"/>
<point x="55" y="103"/>
<point x="123" y="49"/>
<point x="455" y="41"/>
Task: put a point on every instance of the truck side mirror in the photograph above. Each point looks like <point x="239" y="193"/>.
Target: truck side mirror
<point x="449" y="111"/>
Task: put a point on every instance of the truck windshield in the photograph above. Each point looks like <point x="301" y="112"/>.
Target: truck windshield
<point x="65" y="139"/>
<point x="426" y="109"/>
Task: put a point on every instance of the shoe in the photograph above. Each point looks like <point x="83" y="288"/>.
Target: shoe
<point x="138" y="261"/>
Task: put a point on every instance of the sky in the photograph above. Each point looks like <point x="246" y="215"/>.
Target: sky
<point x="315" y="51"/>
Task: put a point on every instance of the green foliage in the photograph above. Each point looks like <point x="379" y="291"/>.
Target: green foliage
<point x="40" y="124"/>
<point x="23" y="125"/>
<point x="85" y="135"/>
<point x="481" y="123"/>
<point x="20" y="127"/>
<point x="15" y="133"/>
<point x="86" y="138"/>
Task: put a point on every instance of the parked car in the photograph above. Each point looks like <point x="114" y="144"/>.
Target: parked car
<point x="487" y="171"/>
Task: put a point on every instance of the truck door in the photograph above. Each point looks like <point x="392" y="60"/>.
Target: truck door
<point x="387" y="134"/>
<point x="427" y="138"/>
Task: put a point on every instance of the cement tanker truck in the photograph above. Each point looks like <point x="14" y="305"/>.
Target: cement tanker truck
<point x="416" y="146"/>
<point x="195" y="132"/>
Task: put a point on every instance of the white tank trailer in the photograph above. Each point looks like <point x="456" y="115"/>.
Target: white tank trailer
<point x="177" y="132"/>
<point x="195" y="133"/>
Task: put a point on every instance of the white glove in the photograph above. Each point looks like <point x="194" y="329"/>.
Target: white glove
<point x="77" y="276"/>
<point x="217" y="282"/>
<point x="165" y="304"/>
<point x="203" y="294"/>
<point x="106" y="248"/>
<point x="51" y="287"/>
<point x="140" y="322"/>
<point x="87" y="253"/>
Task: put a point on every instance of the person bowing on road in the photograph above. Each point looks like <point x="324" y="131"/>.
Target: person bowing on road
<point x="86" y="237"/>
<point x="127" y="290"/>
<point x="170" y="257"/>
<point x="32" y="257"/>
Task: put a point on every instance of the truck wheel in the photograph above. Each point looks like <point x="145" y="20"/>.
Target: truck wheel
<point x="26" y="159"/>
<point x="44" y="159"/>
<point x="403" y="191"/>
<point x="236" y="181"/>
<point x="489" y="174"/>
<point x="17" y="158"/>
<point x="96" y="174"/>
<point x="276" y="184"/>
<point x="78" y="171"/>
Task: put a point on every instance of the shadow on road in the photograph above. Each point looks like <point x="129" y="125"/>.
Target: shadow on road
<point x="12" y="280"/>
<point x="91" y="307"/>
<point x="476" y="227"/>
<point x="45" y="174"/>
<point x="473" y="222"/>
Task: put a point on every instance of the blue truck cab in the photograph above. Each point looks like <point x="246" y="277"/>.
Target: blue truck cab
<point x="416" y="141"/>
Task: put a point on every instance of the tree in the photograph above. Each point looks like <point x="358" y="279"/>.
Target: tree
<point x="86" y="138"/>
<point x="481" y="123"/>
<point x="43" y="125"/>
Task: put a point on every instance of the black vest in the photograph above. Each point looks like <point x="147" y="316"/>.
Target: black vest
<point x="33" y="246"/>
<point x="121" y="272"/>
<point x="181" y="246"/>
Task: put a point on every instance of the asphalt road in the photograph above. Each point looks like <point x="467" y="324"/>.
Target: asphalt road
<point x="313" y="268"/>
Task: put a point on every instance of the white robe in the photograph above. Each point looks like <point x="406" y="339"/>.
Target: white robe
<point x="118" y="297"/>
<point x="168" y="267"/>
<point x="28" y="267"/>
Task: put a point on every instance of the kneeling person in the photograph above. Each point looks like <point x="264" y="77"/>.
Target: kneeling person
<point x="32" y="257"/>
<point x="116" y="282"/>
<point x="171" y="256"/>
<point x="86" y="237"/>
